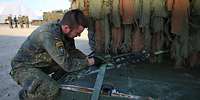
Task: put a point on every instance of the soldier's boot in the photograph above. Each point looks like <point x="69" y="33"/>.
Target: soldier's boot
<point x="36" y="84"/>
<point x="29" y="88"/>
<point x="22" y="94"/>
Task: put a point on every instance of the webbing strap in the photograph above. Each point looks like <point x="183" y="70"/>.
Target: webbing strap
<point x="99" y="82"/>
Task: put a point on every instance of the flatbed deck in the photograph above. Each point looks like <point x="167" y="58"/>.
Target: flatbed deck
<point x="158" y="81"/>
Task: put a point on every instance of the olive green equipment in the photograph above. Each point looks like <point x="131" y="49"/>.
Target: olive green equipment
<point x="194" y="31"/>
<point x="116" y="40"/>
<point x="126" y="46"/>
<point x="157" y="25"/>
<point x="180" y="30"/>
<point x="144" y="22"/>
<point x="109" y="62"/>
<point x="99" y="37"/>
<point x="115" y="14"/>
<point x="53" y="15"/>
<point x="95" y="8"/>
<point x="127" y="11"/>
<point x="102" y="35"/>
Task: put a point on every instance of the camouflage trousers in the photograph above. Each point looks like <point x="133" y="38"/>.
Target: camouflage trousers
<point x="36" y="83"/>
<point x="40" y="83"/>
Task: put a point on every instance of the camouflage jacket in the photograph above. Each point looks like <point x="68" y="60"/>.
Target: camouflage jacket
<point x="47" y="46"/>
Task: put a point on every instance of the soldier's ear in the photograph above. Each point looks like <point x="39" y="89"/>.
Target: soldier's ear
<point x="66" y="28"/>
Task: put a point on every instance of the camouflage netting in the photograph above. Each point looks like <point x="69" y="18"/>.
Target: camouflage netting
<point x="49" y="16"/>
<point x="122" y="26"/>
<point x="53" y="15"/>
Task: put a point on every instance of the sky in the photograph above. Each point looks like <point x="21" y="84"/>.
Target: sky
<point x="34" y="8"/>
<point x="42" y="5"/>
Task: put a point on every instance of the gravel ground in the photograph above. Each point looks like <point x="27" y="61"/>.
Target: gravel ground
<point x="10" y="41"/>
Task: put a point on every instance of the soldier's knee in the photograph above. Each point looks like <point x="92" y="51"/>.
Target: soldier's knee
<point x="50" y="88"/>
<point x="13" y="74"/>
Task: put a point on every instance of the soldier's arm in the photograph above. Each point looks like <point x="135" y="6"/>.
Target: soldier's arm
<point x="61" y="56"/>
<point x="76" y="53"/>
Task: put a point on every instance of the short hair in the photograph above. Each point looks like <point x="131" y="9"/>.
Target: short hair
<point x="74" y="18"/>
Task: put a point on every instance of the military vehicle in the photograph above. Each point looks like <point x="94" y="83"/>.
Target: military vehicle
<point x="53" y="15"/>
<point x="146" y="49"/>
<point x="49" y="16"/>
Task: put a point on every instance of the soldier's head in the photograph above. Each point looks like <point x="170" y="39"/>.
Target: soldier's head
<point x="73" y="23"/>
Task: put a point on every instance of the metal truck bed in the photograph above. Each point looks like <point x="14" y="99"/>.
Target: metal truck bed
<point x="144" y="81"/>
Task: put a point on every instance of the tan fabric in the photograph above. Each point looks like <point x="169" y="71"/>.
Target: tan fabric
<point x="86" y="8"/>
<point x="116" y="18"/>
<point x="127" y="11"/>
<point x="180" y="14"/>
<point x="137" y="41"/>
<point x="106" y="28"/>
<point x="169" y="4"/>
<point x="102" y="35"/>
<point x="99" y="37"/>
<point x="95" y="7"/>
<point x="117" y="37"/>
<point x="127" y="30"/>
<point x="106" y="7"/>
<point x="156" y="41"/>
<point x="144" y="20"/>
<point x="74" y="4"/>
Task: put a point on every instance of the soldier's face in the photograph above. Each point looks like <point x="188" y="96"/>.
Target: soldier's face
<point x="72" y="33"/>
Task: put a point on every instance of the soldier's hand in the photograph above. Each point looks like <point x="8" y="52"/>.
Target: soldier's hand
<point x="91" y="61"/>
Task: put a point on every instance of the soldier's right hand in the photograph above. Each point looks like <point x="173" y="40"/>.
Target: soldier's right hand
<point x="91" y="61"/>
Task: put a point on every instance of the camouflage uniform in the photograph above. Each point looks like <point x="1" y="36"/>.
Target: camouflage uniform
<point x="16" y="22"/>
<point x="10" y="22"/>
<point x="43" y="58"/>
<point x="21" y="22"/>
<point x="26" y="21"/>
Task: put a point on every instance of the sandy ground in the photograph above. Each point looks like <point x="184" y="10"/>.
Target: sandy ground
<point x="10" y="41"/>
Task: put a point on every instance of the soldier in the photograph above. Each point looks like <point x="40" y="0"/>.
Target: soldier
<point x="26" y="21"/>
<point x="47" y="54"/>
<point x="10" y="21"/>
<point x="21" y="23"/>
<point x="15" y="21"/>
